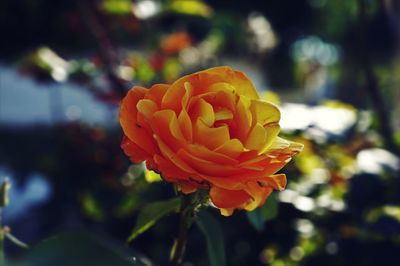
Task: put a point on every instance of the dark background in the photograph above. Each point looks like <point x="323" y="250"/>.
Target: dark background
<point x="335" y="66"/>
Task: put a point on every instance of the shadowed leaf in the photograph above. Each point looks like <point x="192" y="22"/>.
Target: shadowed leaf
<point x="267" y="212"/>
<point x="151" y="213"/>
<point x="214" y="237"/>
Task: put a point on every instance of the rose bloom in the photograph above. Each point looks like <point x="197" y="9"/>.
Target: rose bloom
<point x="209" y="130"/>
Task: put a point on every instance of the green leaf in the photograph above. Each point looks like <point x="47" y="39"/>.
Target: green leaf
<point x="151" y="213"/>
<point x="267" y="212"/>
<point x="214" y="237"/>
<point x="79" y="248"/>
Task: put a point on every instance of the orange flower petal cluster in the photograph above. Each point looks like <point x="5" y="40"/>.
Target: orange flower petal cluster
<point x="209" y="130"/>
<point x="175" y="42"/>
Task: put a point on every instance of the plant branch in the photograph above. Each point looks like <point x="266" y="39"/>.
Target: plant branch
<point x="105" y="46"/>
<point x="371" y="80"/>
<point x="191" y="204"/>
<point x="186" y="214"/>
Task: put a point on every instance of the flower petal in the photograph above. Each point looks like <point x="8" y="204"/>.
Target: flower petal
<point x="187" y="95"/>
<point x="169" y="101"/>
<point x="185" y="124"/>
<point x="157" y="92"/>
<point x="128" y="120"/>
<point x="170" y="155"/>
<point x="263" y="171"/>
<point x="257" y="138"/>
<point x="212" y="138"/>
<point x="277" y="182"/>
<point x="204" y="153"/>
<point x="226" y="211"/>
<point x="165" y="124"/>
<point x="264" y="112"/>
<point x="147" y="108"/>
<point x="222" y="87"/>
<point x="225" y="182"/>
<point x="135" y="153"/>
<point x="242" y="119"/>
<point x="168" y="170"/>
<point x="178" y="90"/>
<point x="232" y="148"/>
<point x="223" y="198"/>
<point x="202" y="80"/>
<point x="237" y="79"/>
<point x="258" y="194"/>
<point x="284" y="147"/>
<point x="269" y="167"/>
<point x="204" y="111"/>
<point x="206" y="167"/>
<point x="223" y="114"/>
<point x="272" y="131"/>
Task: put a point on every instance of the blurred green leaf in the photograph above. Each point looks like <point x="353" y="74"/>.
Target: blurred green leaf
<point x="190" y="7"/>
<point x="267" y="212"/>
<point x="397" y="138"/>
<point x="117" y="7"/>
<point x="215" y="240"/>
<point x="144" y="72"/>
<point x="78" y="248"/>
<point x="171" y="69"/>
<point x="129" y="203"/>
<point x="92" y="207"/>
<point x="151" y="213"/>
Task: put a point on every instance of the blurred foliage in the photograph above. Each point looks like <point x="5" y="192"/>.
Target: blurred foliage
<point x="78" y="248"/>
<point x="342" y="203"/>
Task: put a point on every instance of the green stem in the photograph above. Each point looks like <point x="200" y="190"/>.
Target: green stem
<point x="186" y="214"/>
<point x="190" y="205"/>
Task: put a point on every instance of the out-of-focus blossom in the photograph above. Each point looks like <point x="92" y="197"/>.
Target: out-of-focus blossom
<point x="175" y="42"/>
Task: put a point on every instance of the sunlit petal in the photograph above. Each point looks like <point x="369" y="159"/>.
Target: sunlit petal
<point x="264" y="112"/>
<point x="147" y="108"/>
<point x="257" y="138"/>
<point x="212" y="138"/>
<point x="204" y="111"/>
<point x="232" y="148"/>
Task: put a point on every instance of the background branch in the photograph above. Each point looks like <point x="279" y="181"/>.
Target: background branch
<point x="105" y="47"/>
<point x="371" y="82"/>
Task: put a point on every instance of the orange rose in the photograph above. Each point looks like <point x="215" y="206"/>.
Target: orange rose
<point x="209" y="130"/>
